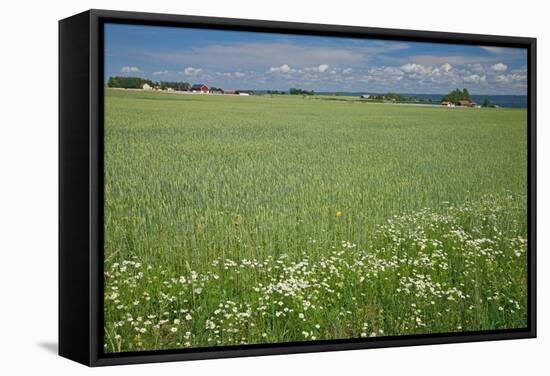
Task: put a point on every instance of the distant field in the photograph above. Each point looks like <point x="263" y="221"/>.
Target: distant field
<point x="243" y="220"/>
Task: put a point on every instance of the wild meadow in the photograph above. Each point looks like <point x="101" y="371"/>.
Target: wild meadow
<point x="270" y="219"/>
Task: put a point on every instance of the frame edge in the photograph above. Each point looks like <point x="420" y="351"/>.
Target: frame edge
<point x="93" y="103"/>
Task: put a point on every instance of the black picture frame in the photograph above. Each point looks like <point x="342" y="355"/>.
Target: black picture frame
<point x="81" y="185"/>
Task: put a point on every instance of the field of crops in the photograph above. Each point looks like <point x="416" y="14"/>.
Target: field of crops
<point x="267" y="219"/>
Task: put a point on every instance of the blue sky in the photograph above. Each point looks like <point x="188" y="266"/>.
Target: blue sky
<point x="245" y="60"/>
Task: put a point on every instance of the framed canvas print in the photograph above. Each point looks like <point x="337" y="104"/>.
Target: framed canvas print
<point x="238" y="187"/>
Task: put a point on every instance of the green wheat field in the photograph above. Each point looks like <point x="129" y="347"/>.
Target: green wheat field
<point x="268" y="219"/>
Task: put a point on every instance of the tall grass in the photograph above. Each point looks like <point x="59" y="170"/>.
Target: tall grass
<point x="234" y="220"/>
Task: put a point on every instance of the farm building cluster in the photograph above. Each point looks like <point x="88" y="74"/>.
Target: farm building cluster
<point x="454" y="99"/>
<point x="462" y="103"/>
<point x="198" y="88"/>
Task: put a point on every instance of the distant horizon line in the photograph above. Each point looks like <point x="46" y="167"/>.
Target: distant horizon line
<point x="397" y="92"/>
<point x="352" y="91"/>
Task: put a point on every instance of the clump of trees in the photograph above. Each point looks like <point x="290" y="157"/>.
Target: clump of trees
<point x="128" y="82"/>
<point x="177" y="86"/>
<point x="488" y="104"/>
<point x="457" y="95"/>
<point x="280" y="92"/>
<point x="295" y="91"/>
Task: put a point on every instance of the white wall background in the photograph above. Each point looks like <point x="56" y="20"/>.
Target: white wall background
<point x="28" y="185"/>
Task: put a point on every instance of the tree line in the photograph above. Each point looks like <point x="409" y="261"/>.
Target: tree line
<point x="128" y="82"/>
<point x="295" y="91"/>
<point x="124" y="82"/>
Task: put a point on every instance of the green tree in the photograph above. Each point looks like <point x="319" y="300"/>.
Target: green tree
<point x="457" y="95"/>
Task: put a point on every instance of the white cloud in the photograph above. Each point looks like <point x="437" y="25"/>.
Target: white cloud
<point x="393" y="71"/>
<point x="476" y="67"/>
<point x="190" y="71"/>
<point x="475" y="78"/>
<point x="414" y="68"/>
<point x="285" y="68"/>
<point x="231" y="74"/>
<point x="499" y="67"/>
<point x="446" y="67"/>
<point x="347" y="70"/>
<point x="509" y="78"/>
<point x="129" y="69"/>
<point x="322" y="68"/>
<point x="384" y="74"/>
